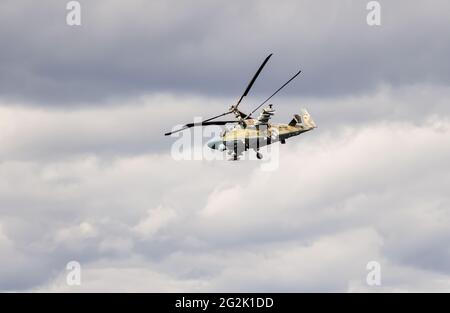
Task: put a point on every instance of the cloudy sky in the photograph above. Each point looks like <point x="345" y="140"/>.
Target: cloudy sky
<point x="86" y="174"/>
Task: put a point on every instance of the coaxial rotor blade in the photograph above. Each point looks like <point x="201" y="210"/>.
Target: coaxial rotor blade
<point x="284" y="85"/>
<point x="198" y="124"/>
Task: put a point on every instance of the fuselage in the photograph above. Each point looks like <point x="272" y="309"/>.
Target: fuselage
<point x="255" y="136"/>
<point x="255" y="133"/>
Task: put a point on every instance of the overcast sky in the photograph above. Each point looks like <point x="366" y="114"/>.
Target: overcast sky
<point x="87" y="175"/>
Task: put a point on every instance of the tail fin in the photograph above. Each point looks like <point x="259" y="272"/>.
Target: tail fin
<point x="295" y="120"/>
<point x="303" y="119"/>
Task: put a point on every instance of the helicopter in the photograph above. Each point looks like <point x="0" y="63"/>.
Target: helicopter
<point x="248" y="133"/>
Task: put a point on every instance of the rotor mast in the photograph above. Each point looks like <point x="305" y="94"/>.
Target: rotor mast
<point x="240" y="117"/>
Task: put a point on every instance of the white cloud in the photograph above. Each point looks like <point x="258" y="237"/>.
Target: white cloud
<point x="191" y="47"/>
<point x="342" y="196"/>
<point x="5" y="243"/>
<point x="155" y="220"/>
<point x="79" y="232"/>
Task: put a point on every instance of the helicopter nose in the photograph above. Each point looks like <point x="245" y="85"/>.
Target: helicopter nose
<point x="213" y="143"/>
<point x="216" y="143"/>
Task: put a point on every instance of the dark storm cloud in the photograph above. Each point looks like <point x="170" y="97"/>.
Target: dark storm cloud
<point x="213" y="48"/>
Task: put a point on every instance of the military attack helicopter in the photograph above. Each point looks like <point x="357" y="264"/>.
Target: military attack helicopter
<point x="252" y="133"/>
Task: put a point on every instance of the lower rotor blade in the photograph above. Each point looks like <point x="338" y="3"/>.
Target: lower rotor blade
<point x="199" y="124"/>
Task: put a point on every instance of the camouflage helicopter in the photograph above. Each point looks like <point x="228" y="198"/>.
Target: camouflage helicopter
<point x="252" y="133"/>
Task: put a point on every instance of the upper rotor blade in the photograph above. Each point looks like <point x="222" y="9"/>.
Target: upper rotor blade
<point x="253" y="80"/>
<point x="284" y="85"/>
<point x="204" y="123"/>
<point x="223" y="114"/>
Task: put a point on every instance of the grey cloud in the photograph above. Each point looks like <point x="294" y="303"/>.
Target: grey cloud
<point x="136" y="126"/>
<point x="145" y="214"/>
<point x="86" y="173"/>
<point x="213" y="48"/>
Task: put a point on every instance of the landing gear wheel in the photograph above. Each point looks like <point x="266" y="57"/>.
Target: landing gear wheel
<point x="259" y="155"/>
